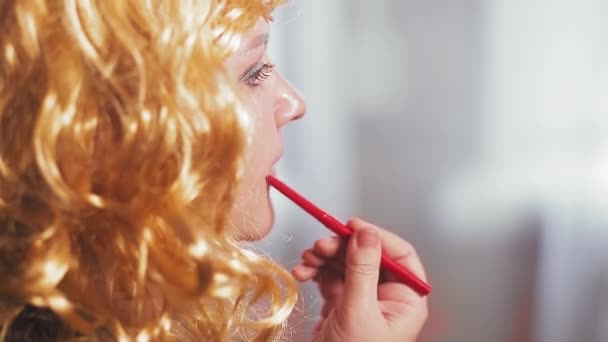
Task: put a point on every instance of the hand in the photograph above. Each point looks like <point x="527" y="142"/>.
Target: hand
<point x="362" y="303"/>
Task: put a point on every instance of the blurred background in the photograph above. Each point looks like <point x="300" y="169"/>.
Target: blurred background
<point x="477" y="130"/>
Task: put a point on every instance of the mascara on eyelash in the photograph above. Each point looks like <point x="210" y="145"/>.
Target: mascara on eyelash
<point x="256" y="68"/>
<point x="260" y="75"/>
<point x="265" y="71"/>
<point x="252" y="71"/>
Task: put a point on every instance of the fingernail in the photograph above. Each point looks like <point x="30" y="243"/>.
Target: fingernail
<point x="367" y="238"/>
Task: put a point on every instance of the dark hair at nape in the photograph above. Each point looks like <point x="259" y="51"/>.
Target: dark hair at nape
<point x="35" y="324"/>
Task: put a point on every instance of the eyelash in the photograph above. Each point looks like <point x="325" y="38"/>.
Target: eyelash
<point x="258" y="76"/>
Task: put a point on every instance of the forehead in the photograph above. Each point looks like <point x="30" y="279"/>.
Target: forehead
<point x="254" y="39"/>
<point x="261" y="28"/>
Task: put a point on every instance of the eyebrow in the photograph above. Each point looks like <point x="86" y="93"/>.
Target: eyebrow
<point x="259" y="40"/>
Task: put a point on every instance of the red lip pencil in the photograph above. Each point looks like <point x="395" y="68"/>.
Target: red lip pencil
<point x="406" y="276"/>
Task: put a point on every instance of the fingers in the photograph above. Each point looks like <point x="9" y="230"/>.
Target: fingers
<point x="304" y="273"/>
<point x="311" y="259"/>
<point x="326" y="309"/>
<point x="362" y="271"/>
<point x="398" y="293"/>
<point x="395" y="248"/>
<point x="348" y="271"/>
<point x="330" y="286"/>
<point x="325" y="254"/>
<point x="328" y="247"/>
<point x="402" y="306"/>
<point x="328" y="256"/>
<point x="312" y="267"/>
<point x="393" y="292"/>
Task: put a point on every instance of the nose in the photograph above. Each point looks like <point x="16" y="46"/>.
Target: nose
<point x="290" y="104"/>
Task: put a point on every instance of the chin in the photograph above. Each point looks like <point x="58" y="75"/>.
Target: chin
<point x="264" y="221"/>
<point x="254" y="224"/>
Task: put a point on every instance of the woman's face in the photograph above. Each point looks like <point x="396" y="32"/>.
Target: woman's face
<point x="272" y="102"/>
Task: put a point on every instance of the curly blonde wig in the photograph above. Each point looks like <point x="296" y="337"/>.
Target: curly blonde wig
<point x="121" y="143"/>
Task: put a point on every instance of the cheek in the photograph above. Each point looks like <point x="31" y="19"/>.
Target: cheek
<point x="264" y="139"/>
<point x="253" y="214"/>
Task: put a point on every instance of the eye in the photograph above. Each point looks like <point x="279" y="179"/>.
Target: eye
<point x="258" y="74"/>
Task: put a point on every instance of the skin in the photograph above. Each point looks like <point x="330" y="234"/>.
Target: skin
<point x="347" y="272"/>
<point x="354" y="289"/>
<point x="272" y="103"/>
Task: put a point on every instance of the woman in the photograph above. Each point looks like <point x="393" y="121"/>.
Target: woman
<point x="135" y="137"/>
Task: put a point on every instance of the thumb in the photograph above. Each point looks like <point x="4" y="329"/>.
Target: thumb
<point x="362" y="270"/>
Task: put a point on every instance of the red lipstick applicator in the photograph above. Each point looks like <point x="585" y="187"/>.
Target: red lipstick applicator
<point x="405" y="275"/>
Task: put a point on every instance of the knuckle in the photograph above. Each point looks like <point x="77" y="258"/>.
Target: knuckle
<point x="409" y="248"/>
<point x="305" y="253"/>
<point x="318" y="244"/>
<point x="355" y="222"/>
<point x="363" y="270"/>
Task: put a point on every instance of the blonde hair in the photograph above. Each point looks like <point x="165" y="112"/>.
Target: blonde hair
<point x="121" y="142"/>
